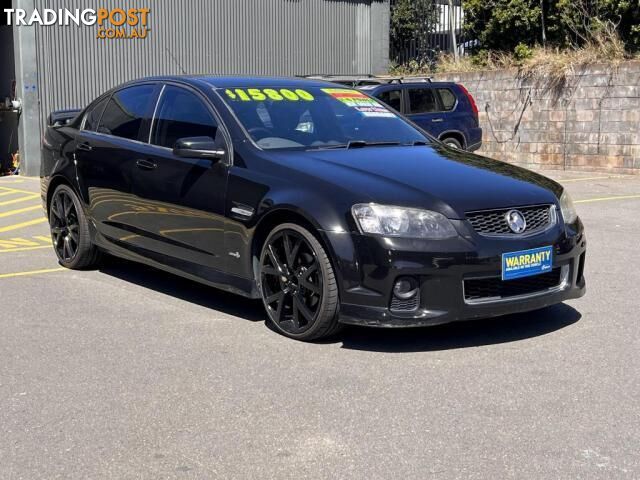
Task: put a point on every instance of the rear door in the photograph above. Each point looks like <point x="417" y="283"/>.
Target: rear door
<point x="456" y="118"/>
<point x="424" y="109"/>
<point x="106" y="149"/>
<point x="181" y="200"/>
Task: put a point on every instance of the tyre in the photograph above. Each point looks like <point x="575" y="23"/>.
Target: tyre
<point x="298" y="285"/>
<point x="452" y="142"/>
<point x="70" y="230"/>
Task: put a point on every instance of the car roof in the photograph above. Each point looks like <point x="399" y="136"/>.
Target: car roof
<point x="225" y="81"/>
<point x="396" y="85"/>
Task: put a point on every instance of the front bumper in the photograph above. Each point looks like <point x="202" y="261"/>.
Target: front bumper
<point x="369" y="266"/>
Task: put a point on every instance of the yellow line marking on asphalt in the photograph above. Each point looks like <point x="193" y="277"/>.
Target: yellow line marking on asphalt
<point x="584" y="179"/>
<point x="2" y="194"/>
<point x="23" y="224"/>
<point x="20" y="210"/>
<point x="24" y="249"/>
<point x="43" y="238"/>
<point x="17" y="190"/>
<point x="18" y="200"/>
<point x="18" y="242"/>
<point x="19" y="178"/>
<point x="33" y="272"/>
<point x="604" y="199"/>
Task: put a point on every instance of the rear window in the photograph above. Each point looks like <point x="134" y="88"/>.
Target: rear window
<point x="125" y="112"/>
<point x="448" y="99"/>
<point x="393" y="98"/>
<point x="422" y="100"/>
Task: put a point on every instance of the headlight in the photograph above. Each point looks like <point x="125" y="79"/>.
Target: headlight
<point x="569" y="213"/>
<point x="402" y="222"/>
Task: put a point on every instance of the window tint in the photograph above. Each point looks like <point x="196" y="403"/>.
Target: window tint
<point x="125" y="112"/>
<point x="92" y="117"/>
<point x="181" y="114"/>
<point x="448" y="98"/>
<point x="422" y="100"/>
<point x="393" y="98"/>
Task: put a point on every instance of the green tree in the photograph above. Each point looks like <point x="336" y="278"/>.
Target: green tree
<point x="504" y="24"/>
<point x="582" y="18"/>
<point x="413" y="20"/>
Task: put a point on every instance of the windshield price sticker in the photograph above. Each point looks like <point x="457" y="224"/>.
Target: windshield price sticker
<point x="367" y="106"/>
<point x="262" y="94"/>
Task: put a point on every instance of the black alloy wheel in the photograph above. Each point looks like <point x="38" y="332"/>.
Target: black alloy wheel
<point x="297" y="284"/>
<point x="70" y="230"/>
<point x="65" y="229"/>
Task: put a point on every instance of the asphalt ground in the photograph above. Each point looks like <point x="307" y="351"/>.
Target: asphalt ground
<point x="127" y="372"/>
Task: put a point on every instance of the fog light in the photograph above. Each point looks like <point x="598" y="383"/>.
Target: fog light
<point x="405" y="288"/>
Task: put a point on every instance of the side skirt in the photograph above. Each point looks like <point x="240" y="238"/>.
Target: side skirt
<point x="199" y="273"/>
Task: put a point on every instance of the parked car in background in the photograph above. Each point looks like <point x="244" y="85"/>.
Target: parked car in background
<point x="446" y="110"/>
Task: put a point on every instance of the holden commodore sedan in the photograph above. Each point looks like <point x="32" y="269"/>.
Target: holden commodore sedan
<point x="323" y="202"/>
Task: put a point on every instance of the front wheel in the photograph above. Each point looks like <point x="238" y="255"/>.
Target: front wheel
<point x="298" y="285"/>
<point x="70" y="230"/>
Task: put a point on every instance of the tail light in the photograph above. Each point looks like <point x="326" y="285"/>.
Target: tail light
<point x="474" y="107"/>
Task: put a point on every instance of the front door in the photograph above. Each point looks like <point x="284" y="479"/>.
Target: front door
<point x="180" y="215"/>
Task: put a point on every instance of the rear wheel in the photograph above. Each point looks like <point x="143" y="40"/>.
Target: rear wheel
<point x="298" y="285"/>
<point x="70" y="230"/>
<point x="452" y="142"/>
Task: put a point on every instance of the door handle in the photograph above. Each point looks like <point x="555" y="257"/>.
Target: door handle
<point x="146" y="165"/>
<point x="85" y="147"/>
<point x="437" y="120"/>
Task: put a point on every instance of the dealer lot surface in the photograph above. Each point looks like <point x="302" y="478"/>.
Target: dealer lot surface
<point x="127" y="372"/>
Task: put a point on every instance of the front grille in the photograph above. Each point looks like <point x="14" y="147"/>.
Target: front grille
<point x="495" y="287"/>
<point x="399" y="305"/>
<point x="494" y="222"/>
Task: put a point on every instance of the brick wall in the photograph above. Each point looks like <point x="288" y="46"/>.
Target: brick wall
<point x="591" y="124"/>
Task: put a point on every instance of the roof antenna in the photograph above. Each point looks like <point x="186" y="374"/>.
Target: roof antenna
<point x="176" y="60"/>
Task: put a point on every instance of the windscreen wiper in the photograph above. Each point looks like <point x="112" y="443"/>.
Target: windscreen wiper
<point x="358" y="144"/>
<point x="364" y="143"/>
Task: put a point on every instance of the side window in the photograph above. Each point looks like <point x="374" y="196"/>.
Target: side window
<point x="181" y="114"/>
<point x="126" y="111"/>
<point x="393" y="98"/>
<point x="422" y="100"/>
<point x="448" y="99"/>
<point x="92" y="117"/>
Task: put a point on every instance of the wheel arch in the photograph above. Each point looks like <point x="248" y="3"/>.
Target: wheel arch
<point x="288" y="214"/>
<point x="54" y="183"/>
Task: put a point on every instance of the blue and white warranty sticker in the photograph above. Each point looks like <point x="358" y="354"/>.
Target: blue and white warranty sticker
<point x="526" y="263"/>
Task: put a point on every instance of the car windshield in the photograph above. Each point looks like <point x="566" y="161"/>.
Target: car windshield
<point x="317" y="118"/>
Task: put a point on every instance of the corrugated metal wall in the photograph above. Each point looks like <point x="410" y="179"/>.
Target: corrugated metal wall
<point x="272" y="37"/>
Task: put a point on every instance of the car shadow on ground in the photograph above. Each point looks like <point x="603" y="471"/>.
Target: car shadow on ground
<point x="184" y="289"/>
<point x="510" y="328"/>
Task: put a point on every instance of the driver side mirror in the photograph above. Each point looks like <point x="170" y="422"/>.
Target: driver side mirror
<point x="198" y="147"/>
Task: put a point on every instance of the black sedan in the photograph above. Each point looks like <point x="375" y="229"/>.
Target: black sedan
<point x="329" y="206"/>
